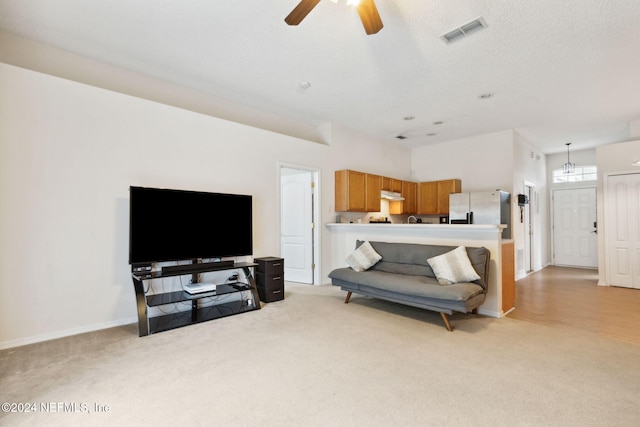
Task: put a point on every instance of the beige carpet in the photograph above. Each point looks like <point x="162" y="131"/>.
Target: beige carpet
<point x="311" y="360"/>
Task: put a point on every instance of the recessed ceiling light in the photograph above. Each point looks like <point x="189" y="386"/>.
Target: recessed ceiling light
<point x="432" y="134"/>
<point x="485" y="96"/>
<point x="408" y="118"/>
<point x="437" y="123"/>
<point x="305" y="85"/>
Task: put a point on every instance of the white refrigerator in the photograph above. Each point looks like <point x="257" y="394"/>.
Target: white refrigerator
<point x="481" y="207"/>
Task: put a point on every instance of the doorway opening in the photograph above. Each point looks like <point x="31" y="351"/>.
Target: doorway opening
<point x="299" y="215"/>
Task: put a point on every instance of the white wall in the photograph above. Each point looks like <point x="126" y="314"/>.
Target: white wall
<point x="634" y="129"/>
<point x="69" y="153"/>
<point x="483" y="162"/>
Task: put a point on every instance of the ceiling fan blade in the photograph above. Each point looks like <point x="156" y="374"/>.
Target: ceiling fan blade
<point x="300" y="11"/>
<point x="369" y="16"/>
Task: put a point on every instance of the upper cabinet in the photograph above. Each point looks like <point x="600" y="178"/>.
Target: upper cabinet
<point x="350" y="191"/>
<point x="433" y="196"/>
<point x="444" y="189"/>
<point x="357" y="191"/>
<point x="427" y="198"/>
<point x="373" y="185"/>
<point x="408" y="206"/>
<point x="410" y="194"/>
<point x="391" y="184"/>
<point x="360" y="192"/>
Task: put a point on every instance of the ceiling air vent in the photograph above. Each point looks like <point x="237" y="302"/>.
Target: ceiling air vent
<point x="464" y="30"/>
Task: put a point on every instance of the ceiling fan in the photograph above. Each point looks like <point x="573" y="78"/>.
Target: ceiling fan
<point x="366" y="9"/>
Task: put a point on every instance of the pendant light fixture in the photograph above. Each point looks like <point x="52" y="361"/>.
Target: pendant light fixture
<point x="568" y="167"/>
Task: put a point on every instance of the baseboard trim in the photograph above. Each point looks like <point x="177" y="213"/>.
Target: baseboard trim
<point x="489" y="313"/>
<point x="66" y="333"/>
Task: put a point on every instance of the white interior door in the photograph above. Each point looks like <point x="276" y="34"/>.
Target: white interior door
<point x="296" y="228"/>
<point x="622" y="236"/>
<point x="575" y="240"/>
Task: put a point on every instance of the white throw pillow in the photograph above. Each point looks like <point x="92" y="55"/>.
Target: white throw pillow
<point x="453" y="267"/>
<point x="363" y="258"/>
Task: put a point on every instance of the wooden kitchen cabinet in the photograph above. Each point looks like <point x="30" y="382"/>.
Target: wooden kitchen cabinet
<point x="373" y="186"/>
<point x="357" y="191"/>
<point x="433" y="196"/>
<point x="427" y="198"/>
<point x="408" y="206"/>
<point x="410" y="194"/>
<point x="360" y="192"/>
<point x="391" y="184"/>
<point x="350" y="191"/>
<point x="445" y="188"/>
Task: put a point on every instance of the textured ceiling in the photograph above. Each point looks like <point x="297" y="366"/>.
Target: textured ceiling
<point x="558" y="71"/>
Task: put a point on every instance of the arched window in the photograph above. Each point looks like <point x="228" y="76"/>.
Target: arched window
<point x="581" y="173"/>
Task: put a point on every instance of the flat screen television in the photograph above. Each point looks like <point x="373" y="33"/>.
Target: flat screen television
<point x="174" y="225"/>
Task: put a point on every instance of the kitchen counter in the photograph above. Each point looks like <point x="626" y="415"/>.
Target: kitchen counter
<point x="442" y="231"/>
<point x="344" y="236"/>
<point x="419" y="225"/>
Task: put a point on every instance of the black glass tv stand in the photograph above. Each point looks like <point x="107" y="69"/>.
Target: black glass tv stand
<point x="151" y="324"/>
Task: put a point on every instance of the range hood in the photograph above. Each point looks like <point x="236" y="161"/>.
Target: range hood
<point x="390" y="195"/>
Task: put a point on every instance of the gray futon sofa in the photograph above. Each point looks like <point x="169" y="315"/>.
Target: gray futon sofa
<point x="404" y="276"/>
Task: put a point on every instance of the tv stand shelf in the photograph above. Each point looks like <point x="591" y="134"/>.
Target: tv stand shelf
<point x="178" y="296"/>
<point x="151" y="324"/>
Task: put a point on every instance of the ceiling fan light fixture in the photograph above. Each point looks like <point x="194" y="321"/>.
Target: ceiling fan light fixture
<point x="367" y="11"/>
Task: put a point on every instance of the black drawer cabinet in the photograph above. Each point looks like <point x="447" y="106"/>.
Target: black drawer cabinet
<point x="270" y="278"/>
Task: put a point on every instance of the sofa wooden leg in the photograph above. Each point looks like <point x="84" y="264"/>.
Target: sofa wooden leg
<point x="445" y="318"/>
<point x="346" y="301"/>
<point x="474" y="311"/>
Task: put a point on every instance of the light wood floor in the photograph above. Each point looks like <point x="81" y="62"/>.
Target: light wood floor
<point x="570" y="298"/>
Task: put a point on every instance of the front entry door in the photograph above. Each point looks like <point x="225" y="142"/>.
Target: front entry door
<point x="575" y="240"/>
